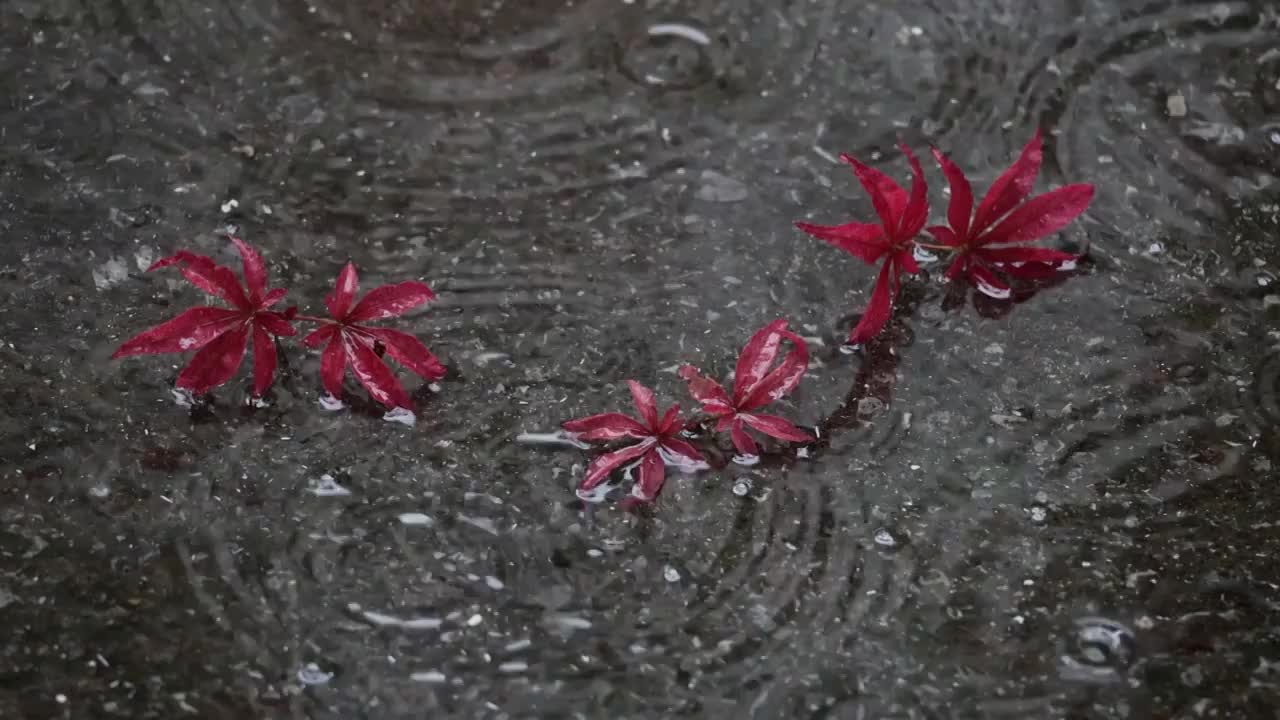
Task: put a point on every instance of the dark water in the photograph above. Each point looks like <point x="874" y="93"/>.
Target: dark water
<point x="1069" y="510"/>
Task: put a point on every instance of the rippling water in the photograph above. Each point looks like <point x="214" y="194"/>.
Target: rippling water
<point x="1066" y="508"/>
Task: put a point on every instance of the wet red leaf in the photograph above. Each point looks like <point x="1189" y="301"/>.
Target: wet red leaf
<point x="892" y="241"/>
<point x="659" y="444"/>
<point x="754" y="386"/>
<point x="348" y="343"/>
<point x="982" y="239"/>
<point x="220" y="335"/>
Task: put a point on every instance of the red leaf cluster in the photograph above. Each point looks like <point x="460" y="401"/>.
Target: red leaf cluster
<point x="754" y="386"/>
<point x="987" y="244"/>
<point x="757" y="382"/>
<point x="348" y="342"/>
<point x="220" y="335"/>
<point x="658" y="444"/>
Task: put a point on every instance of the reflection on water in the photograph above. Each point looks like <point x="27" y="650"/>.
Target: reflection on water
<point x="1059" y="504"/>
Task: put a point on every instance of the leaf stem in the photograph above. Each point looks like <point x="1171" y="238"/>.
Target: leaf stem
<point x="311" y="318"/>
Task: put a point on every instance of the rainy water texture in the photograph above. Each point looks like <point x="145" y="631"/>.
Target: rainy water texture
<point x="1062" y="505"/>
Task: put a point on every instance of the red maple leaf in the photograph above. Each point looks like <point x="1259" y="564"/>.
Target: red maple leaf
<point x="349" y="343"/>
<point x="985" y="240"/>
<point x="754" y="386"/>
<point x="659" y="444"/>
<point x="220" y="335"/>
<point x="891" y="240"/>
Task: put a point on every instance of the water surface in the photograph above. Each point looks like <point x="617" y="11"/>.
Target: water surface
<point x="1063" y="508"/>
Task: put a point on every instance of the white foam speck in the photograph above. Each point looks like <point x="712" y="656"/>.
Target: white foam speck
<point x="326" y="486"/>
<point x="414" y="518"/>
<point x="384" y="620"/>
<point x="552" y="438"/>
<point x="483" y="523"/>
<point x="746" y="460"/>
<point x="572" y="622"/>
<point x="313" y="675"/>
<point x="428" y="676"/>
<point x="404" y="416"/>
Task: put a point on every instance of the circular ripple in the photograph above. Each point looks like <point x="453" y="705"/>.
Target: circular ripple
<point x="1175" y="105"/>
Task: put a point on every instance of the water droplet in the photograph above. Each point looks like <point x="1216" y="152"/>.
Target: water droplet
<point x="428" y="676"/>
<point x="671" y="574"/>
<point x="1039" y="513"/>
<point x="313" y="675"/>
<point x="990" y="290"/>
<point x="680" y="462"/>
<point x="923" y="254"/>
<point x="669" y="55"/>
<point x="742" y="487"/>
<point x="553" y="438"/>
<point x="1102" y="650"/>
<point x="595" y="495"/>
<point x="331" y="403"/>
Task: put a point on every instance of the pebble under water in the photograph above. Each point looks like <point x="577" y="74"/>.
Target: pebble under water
<point x="1062" y="507"/>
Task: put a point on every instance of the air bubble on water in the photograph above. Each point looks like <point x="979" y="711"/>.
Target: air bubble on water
<point x="746" y="460"/>
<point x="884" y="538"/>
<point x="326" y="486"/>
<point x="742" y="487"/>
<point x="404" y="416"/>
<point x="688" y="32"/>
<point x="416" y="519"/>
<point x="313" y="675"/>
<point x="331" y="403"/>
<point x="428" y="676"/>
<point x="513" y="666"/>
<point x="1103" y="650"/>
<point x="923" y="254"/>
<point x="990" y="290"/>
<point x="671" y="574"/>
<point x="1039" y="514"/>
